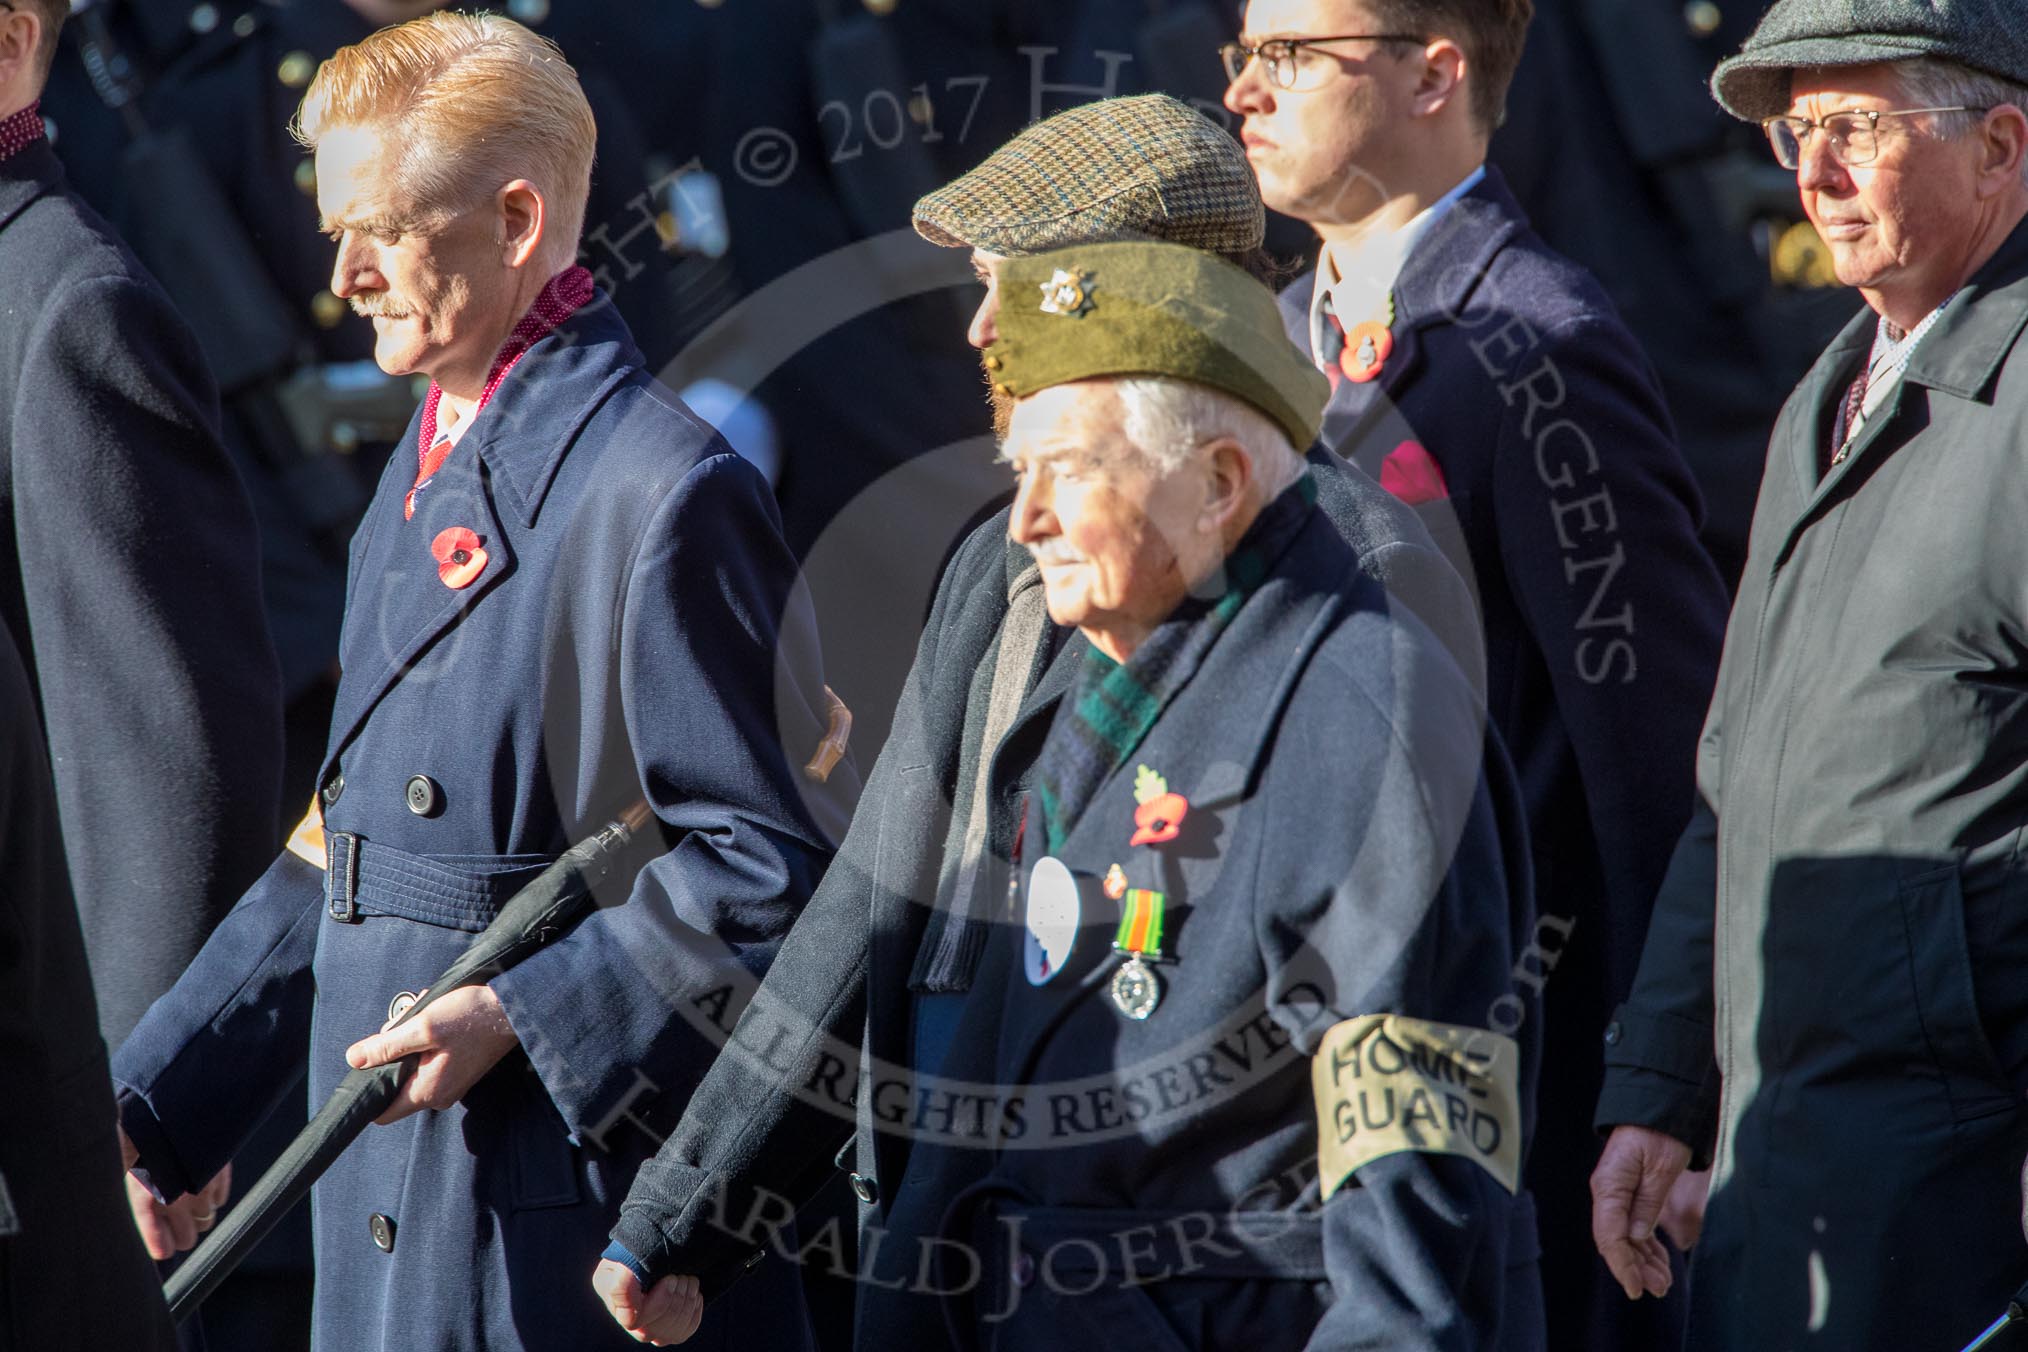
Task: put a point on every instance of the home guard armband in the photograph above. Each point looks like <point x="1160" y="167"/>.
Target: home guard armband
<point x="1385" y="1083"/>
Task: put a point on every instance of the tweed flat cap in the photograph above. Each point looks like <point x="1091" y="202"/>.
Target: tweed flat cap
<point x="1143" y="309"/>
<point x="1146" y="167"/>
<point x="1986" y="35"/>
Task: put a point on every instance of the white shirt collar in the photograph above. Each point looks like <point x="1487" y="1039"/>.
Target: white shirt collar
<point x="1357" y="278"/>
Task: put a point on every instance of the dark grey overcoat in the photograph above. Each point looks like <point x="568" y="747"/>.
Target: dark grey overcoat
<point x="1842" y="932"/>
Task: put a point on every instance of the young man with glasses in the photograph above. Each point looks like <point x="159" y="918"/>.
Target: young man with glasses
<point x="1839" y="944"/>
<point x="1488" y="381"/>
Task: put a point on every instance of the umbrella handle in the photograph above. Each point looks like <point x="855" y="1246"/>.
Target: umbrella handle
<point x="2017" y="1310"/>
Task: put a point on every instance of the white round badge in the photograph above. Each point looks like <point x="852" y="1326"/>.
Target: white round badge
<point x="1053" y="913"/>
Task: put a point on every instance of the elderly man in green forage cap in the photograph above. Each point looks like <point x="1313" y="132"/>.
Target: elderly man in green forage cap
<point x="1841" y="941"/>
<point x="1246" y="1021"/>
<point x="1260" y="823"/>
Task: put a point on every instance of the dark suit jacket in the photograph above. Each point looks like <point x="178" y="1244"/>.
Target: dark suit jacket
<point x="771" y="1120"/>
<point x="130" y="582"/>
<point x="1575" y="520"/>
<point x="634" y="629"/>
<point x="64" y="1223"/>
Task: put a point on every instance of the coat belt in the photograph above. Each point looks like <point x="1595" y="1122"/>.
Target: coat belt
<point x="464" y="892"/>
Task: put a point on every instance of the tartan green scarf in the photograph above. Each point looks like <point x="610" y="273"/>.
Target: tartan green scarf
<point x="1109" y="711"/>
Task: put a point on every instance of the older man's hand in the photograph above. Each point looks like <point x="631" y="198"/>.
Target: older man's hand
<point x="667" y="1315"/>
<point x="457" y="1040"/>
<point x="1683" y="1213"/>
<point x="168" y="1229"/>
<point x="1633" y="1180"/>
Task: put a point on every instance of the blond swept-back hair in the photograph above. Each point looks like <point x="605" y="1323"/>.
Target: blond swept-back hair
<point x="477" y="100"/>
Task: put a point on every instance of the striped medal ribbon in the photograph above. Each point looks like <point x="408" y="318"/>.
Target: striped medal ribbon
<point x="1136" y="990"/>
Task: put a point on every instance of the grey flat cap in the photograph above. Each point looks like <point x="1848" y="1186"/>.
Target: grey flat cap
<point x="1146" y="167"/>
<point x="1986" y="35"/>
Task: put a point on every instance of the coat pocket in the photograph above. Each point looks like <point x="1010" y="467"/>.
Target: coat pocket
<point x="1940" y="968"/>
<point x="544" y="1165"/>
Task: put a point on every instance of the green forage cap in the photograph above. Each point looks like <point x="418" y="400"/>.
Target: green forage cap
<point x="1145" y="309"/>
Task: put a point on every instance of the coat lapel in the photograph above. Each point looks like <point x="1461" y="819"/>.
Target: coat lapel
<point x="402" y="606"/>
<point x="492" y="484"/>
<point x="1822" y="388"/>
<point x="25" y="176"/>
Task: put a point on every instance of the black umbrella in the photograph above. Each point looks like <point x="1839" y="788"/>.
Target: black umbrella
<point x="557" y="899"/>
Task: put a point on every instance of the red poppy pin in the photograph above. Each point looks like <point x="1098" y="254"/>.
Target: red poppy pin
<point x="1367" y="348"/>
<point x="1159" y="818"/>
<point x="459" y="558"/>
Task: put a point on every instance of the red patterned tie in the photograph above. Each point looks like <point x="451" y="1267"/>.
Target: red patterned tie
<point x="1848" y="414"/>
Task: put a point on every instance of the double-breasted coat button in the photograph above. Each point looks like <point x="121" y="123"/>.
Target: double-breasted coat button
<point x="401" y="1004"/>
<point x="1024" y="1269"/>
<point x="382" y="1230"/>
<point x="424" y="797"/>
<point x="1612" y="1033"/>
<point x="865" y="1189"/>
<point x="333" y="787"/>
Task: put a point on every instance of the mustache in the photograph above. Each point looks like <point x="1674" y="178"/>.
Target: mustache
<point x="376" y="307"/>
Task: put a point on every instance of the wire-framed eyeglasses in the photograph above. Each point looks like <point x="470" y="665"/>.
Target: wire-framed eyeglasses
<point x="1289" y="62"/>
<point x="1854" y="137"/>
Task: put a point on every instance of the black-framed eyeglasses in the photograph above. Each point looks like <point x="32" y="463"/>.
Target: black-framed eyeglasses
<point x="1288" y="62"/>
<point x="1854" y="136"/>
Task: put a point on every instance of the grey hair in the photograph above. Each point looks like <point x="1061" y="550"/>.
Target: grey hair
<point x="1938" y="82"/>
<point x="1169" y="419"/>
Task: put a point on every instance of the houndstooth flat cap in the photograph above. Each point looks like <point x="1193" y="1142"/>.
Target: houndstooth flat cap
<point x="1146" y="167"/>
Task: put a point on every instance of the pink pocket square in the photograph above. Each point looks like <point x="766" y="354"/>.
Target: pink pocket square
<point x="1413" y="475"/>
